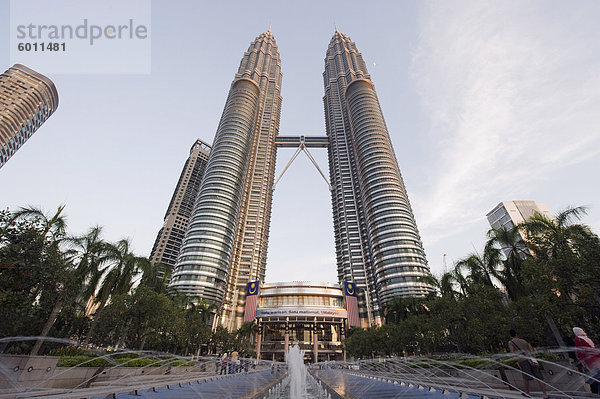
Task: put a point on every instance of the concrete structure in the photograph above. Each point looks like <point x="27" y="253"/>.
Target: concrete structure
<point x="170" y="236"/>
<point x="377" y="242"/>
<point x="378" y="246"/>
<point x="27" y="99"/>
<point x="509" y="214"/>
<point x="311" y="315"/>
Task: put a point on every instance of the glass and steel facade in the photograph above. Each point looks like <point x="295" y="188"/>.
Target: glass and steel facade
<point x="170" y="236"/>
<point x="27" y="99"/>
<point x="378" y="246"/>
<point x="307" y="312"/>
<point x="377" y="242"/>
<point x="225" y="246"/>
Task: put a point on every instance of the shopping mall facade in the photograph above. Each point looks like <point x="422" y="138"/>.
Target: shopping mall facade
<point x="311" y="315"/>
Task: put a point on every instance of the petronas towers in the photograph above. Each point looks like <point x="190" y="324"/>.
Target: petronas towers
<point x="377" y="243"/>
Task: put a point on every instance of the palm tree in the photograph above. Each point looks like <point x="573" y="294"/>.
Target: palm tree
<point x="53" y="231"/>
<point x="516" y="252"/>
<point x="93" y="255"/>
<point x="155" y="275"/>
<point x="557" y="244"/>
<point x="117" y="277"/>
<point x="53" y="227"/>
<point x="553" y="238"/>
<point x="480" y="269"/>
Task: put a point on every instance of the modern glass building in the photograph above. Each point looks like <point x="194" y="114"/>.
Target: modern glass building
<point x="170" y="236"/>
<point x="378" y="246"/>
<point x="27" y="99"/>
<point x="377" y="242"/>
<point x="226" y="242"/>
<point x="308" y="314"/>
<point x="509" y="214"/>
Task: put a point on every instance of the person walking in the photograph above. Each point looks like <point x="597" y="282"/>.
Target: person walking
<point x="234" y="362"/>
<point x="589" y="356"/>
<point x="530" y="368"/>
<point x="223" y="364"/>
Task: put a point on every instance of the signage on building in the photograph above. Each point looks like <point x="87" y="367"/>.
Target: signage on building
<point x="286" y="312"/>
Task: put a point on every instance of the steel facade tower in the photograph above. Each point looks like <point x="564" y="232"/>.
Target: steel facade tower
<point x="378" y="246"/>
<point x="169" y="238"/>
<point x="27" y="99"/>
<point x="226" y="242"/>
<point x="377" y="242"/>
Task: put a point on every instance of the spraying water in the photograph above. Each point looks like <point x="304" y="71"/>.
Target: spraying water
<point x="297" y="372"/>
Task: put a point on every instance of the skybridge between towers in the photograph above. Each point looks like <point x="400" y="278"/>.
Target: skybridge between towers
<point x="302" y="144"/>
<point x="296" y="141"/>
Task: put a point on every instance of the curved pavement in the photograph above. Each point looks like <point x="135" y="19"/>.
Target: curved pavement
<point x="234" y="386"/>
<point x="353" y="386"/>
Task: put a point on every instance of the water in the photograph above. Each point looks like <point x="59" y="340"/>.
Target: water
<point x="445" y="377"/>
<point x="297" y="372"/>
<point x="299" y="383"/>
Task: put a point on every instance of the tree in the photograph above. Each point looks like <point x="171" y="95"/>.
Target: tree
<point x="59" y="286"/>
<point x="118" y="276"/>
<point x="516" y="252"/>
<point x="480" y="269"/>
<point x="92" y="255"/>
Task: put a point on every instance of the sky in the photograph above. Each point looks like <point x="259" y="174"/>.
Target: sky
<point x="485" y="101"/>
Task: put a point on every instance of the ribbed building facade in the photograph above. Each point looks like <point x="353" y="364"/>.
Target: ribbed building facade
<point x="27" y="99"/>
<point x="378" y="246"/>
<point x="226" y="243"/>
<point x="377" y="242"/>
<point x="170" y="236"/>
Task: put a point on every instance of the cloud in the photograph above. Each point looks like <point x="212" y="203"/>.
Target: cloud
<point x="511" y="93"/>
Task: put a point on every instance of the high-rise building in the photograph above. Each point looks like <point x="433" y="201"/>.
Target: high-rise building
<point x="226" y="243"/>
<point x="377" y="242"/>
<point x="509" y="214"/>
<point x="169" y="238"/>
<point x="378" y="246"/>
<point x="27" y="99"/>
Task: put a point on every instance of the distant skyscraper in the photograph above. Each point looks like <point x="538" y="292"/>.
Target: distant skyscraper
<point x="226" y="243"/>
<point x="377" y="242"/>
<point x="168" y="242"/>
<point x="509" y="214"/>
<point x="378" y="245"/>
<point x="27" y="99"/>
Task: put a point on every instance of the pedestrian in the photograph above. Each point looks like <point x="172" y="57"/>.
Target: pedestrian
<point x="572" y="354"/>
<point x="233" y="362"/>
<point x="530" y="368"/>
<point x="589" y="356"/>
<point x="223" y="364"/>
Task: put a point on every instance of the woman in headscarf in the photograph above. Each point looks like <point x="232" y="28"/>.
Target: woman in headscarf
<point x="589" y="356"/>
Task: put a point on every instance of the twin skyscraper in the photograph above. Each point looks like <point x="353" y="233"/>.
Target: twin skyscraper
<point x="378" y="246"/>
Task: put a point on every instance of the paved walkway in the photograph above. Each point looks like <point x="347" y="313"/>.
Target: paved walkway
<point x="353" y="386"/>
<point x="234" y="386"/>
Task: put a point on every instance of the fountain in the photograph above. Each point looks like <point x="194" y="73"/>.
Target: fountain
<point x="297" y="372"/>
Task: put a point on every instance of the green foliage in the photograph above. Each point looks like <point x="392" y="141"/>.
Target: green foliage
<point x="52" y="281"/>
<point x="81" y="361"/>
<point x="501" y="288"/>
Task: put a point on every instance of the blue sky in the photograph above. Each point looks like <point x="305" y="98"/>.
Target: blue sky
<point x="484" y="102"/>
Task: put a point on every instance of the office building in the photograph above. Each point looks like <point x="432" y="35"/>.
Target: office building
<point x="377" y="242"/>
<point x="378" y="246"/>
<point x="308" y="314"/>
<point x="509" y="214"/>
<point x="27" y="99"/>
<point x="169" y="238"/>
<point x="226" y="243"/>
